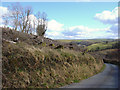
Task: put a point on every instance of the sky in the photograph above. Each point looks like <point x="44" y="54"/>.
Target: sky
<point x="77" y="20"/>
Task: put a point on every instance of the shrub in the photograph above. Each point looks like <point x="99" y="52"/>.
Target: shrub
<point x="44" y="44"/>
<point x="52" y="45"/>
<point x="60" y="47"/>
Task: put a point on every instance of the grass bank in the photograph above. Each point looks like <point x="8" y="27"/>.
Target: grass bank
<point x="27" y="66"/>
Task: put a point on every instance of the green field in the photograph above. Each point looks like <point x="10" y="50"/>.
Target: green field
<point x="94" y="44"/>
<point x="89" y="40"/>
<point x="100" y="46"/>
<point x="67" y="41"/>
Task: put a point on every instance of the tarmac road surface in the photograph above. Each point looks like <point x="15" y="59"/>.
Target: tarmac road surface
<point x="106" y="79"/>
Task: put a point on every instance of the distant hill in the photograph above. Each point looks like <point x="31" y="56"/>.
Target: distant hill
<point x="106" y="49"/>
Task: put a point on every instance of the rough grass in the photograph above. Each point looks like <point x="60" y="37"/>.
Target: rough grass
<point x="102" y="69"/>
<point x="27" y="66"/>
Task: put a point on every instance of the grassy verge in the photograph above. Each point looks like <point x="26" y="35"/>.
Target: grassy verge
<point x="86" y="77"/>
<point x="102" y="69"/>
<point x="27" y="66"/>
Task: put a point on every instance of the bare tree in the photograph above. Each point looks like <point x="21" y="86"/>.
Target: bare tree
<point x="38" y="15"/>
<point x="42" y="24"/>
<point x="28" y="11"/>
<point x="24" y="23"/>
<point x="20" y="17"/>
<point x="15" y="10"/>
<point x="6" y="21"/>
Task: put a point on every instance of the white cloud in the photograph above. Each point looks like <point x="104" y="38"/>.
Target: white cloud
<point x="57" y="31"/>
<point x="85" y="28"/>
<point x="83" y="32"/>
<point x="111" y="18"/>
<point x="53" y="25"/>
<point x="3" y="10"/>
<point x="108" y="17"/>
<point x="114" y="29"/>
<point x="33" y="20"/>
<point x="54" y="35"/>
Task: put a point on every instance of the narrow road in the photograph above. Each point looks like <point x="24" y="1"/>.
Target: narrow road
<point x="106" y="79"/>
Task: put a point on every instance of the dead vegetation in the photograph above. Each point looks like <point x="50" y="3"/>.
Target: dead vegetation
<point x="27" y="64"/>
<point x="110" y="56"/>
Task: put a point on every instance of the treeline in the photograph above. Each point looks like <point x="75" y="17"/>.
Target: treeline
<point x="24" y="20"/>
